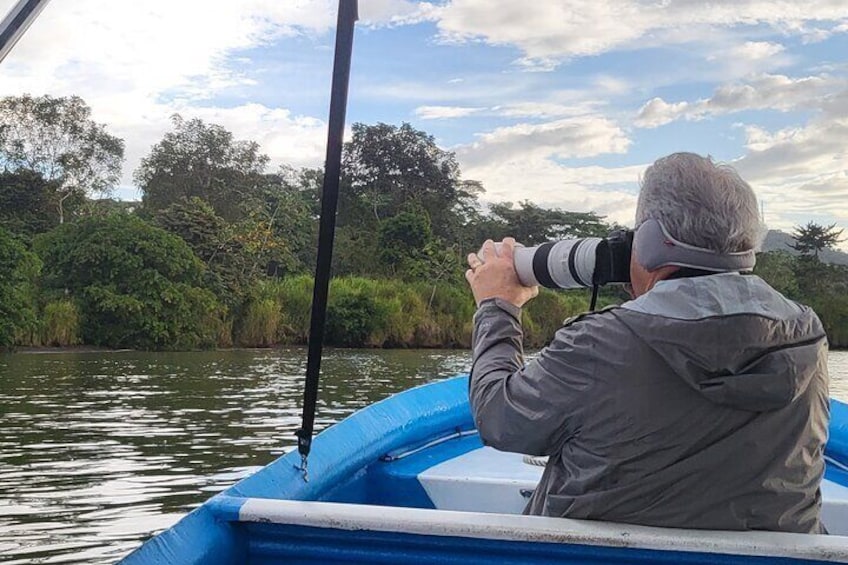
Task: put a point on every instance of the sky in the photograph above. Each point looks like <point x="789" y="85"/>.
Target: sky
<point x="560" y="102"/>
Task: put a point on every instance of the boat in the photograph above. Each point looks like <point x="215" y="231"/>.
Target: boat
<point x="408" y="479"/>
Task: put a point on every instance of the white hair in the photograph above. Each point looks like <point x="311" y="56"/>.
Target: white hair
<point x="701" y="203"/>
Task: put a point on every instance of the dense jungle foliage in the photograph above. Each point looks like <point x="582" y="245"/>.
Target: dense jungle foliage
<point x="219" y="251"/>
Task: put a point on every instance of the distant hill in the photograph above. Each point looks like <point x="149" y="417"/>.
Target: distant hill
<point x="779" y="241"/>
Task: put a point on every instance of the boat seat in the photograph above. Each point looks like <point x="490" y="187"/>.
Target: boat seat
<point x="487" y="480"/>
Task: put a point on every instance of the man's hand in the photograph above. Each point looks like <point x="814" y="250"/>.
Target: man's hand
<point x="492" y="274"/>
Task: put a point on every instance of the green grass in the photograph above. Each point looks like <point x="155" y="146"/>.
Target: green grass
<point x="61" y="324"/>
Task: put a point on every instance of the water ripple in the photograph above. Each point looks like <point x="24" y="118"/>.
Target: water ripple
<point x="98" y="451"/>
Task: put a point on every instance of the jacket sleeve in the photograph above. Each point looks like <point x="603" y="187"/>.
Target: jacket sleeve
<point x="528" y="409"/>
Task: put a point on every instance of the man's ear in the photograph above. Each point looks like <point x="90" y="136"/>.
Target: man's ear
<point x="662" y="273"/>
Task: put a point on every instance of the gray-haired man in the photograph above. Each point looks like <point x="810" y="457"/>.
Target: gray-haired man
<point x="702" y="403"/>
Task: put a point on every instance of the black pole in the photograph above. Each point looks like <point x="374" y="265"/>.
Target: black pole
<point x="16" y="23"/>
<point x="348" y="14"/>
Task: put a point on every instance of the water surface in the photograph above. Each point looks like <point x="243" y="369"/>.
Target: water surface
<point x="98" y="450"/>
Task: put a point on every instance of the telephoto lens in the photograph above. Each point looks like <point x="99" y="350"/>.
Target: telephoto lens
<point x="573" y="263"/>
<point x="569" y="263"/>
<point x="576" y="263"/>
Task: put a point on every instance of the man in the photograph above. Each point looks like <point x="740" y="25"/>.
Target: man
<point x="702" y="403"/>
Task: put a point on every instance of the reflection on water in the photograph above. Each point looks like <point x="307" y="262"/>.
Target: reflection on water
<point x="98" y="450"/>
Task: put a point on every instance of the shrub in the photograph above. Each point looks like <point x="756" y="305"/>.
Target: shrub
<point x="135" y="285"/>
<point x="261" y="322"/>
<point x="544" y="315"/>
<point x="354" y="314"/>
<point x="18" y="271"/>
<point x="392" y="313"/>
<point x="61" y="324"/>
<point x="450" y="316"/>
<point x="295" y="297"/>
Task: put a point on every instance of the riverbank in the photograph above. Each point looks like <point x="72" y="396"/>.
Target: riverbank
<point x="84" y="349"/>
<point x="66" y="349"/>
<point x="361" y="313"/>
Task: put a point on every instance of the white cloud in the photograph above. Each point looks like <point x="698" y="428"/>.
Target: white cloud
<point x="756" y="50"/>
<point x="477" y="90"/>
<point x="444" y="112"/>
<point x="535" y="110"/>
<point x="611" y="85"/>
<point x="292" y="140"/>
<point x="580" y="137"/>
<point x="155" y="45"/>
<point x="831" y="185"/>
<point x="746" y="58"/>
<point x="805" y="153"/>
<point x="766" y="91"/>
<point x="519" y="162"/>
<point x="299" y="141"/>
<point x="378" y="13"/>
<point x="816" y="34"/>
<point x="551" y="32"/>
<point x="137" y="63"/>
<point x="610" y="192"/>
<point x="596" y="93"/>
<point x="657" y="112"/>
<point x="795" y="170"/>
<point x="800" y="170"/>
<point x="545" y="110"/>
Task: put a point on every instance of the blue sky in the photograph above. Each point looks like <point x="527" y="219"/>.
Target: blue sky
<point x="563" y="103"/>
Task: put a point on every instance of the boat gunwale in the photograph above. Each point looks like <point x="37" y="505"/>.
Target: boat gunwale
<point x="520" y="528"/>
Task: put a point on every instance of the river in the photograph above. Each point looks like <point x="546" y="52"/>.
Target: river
<point x="98" y="450"/>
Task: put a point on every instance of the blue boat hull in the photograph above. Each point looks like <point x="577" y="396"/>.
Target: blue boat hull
<point x="367" y="503"/>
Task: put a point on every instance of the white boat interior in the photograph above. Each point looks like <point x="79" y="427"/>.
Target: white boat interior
<point x="487" y="480"/>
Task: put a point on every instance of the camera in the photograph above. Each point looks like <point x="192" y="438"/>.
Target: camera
<point x="576" y="263"/>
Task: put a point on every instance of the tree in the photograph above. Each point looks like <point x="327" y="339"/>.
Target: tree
<point x="290" y="206"/>
<point x="202" y="160"/>
<point x="532" y="225"/>
<point x="135" y="285"/>
<point x="815" y="237"/>
<point x="18" y="269"/>
<point x="778" y="268"/>
<point x="266" y="241"/>
<point x="228" y="265"/>
<point x="389" y="169"/>
<point x="28" y="202"/>
<point x="196" y="223"/>
<point x="402" y="240"/>
<point x="56" y="138"/>
<point x="356" y="251"/>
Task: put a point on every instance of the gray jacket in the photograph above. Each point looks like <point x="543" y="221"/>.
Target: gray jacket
<point x="701" y="404"/>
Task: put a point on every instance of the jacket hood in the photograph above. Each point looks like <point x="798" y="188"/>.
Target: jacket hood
<point x="731" y="337"/>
